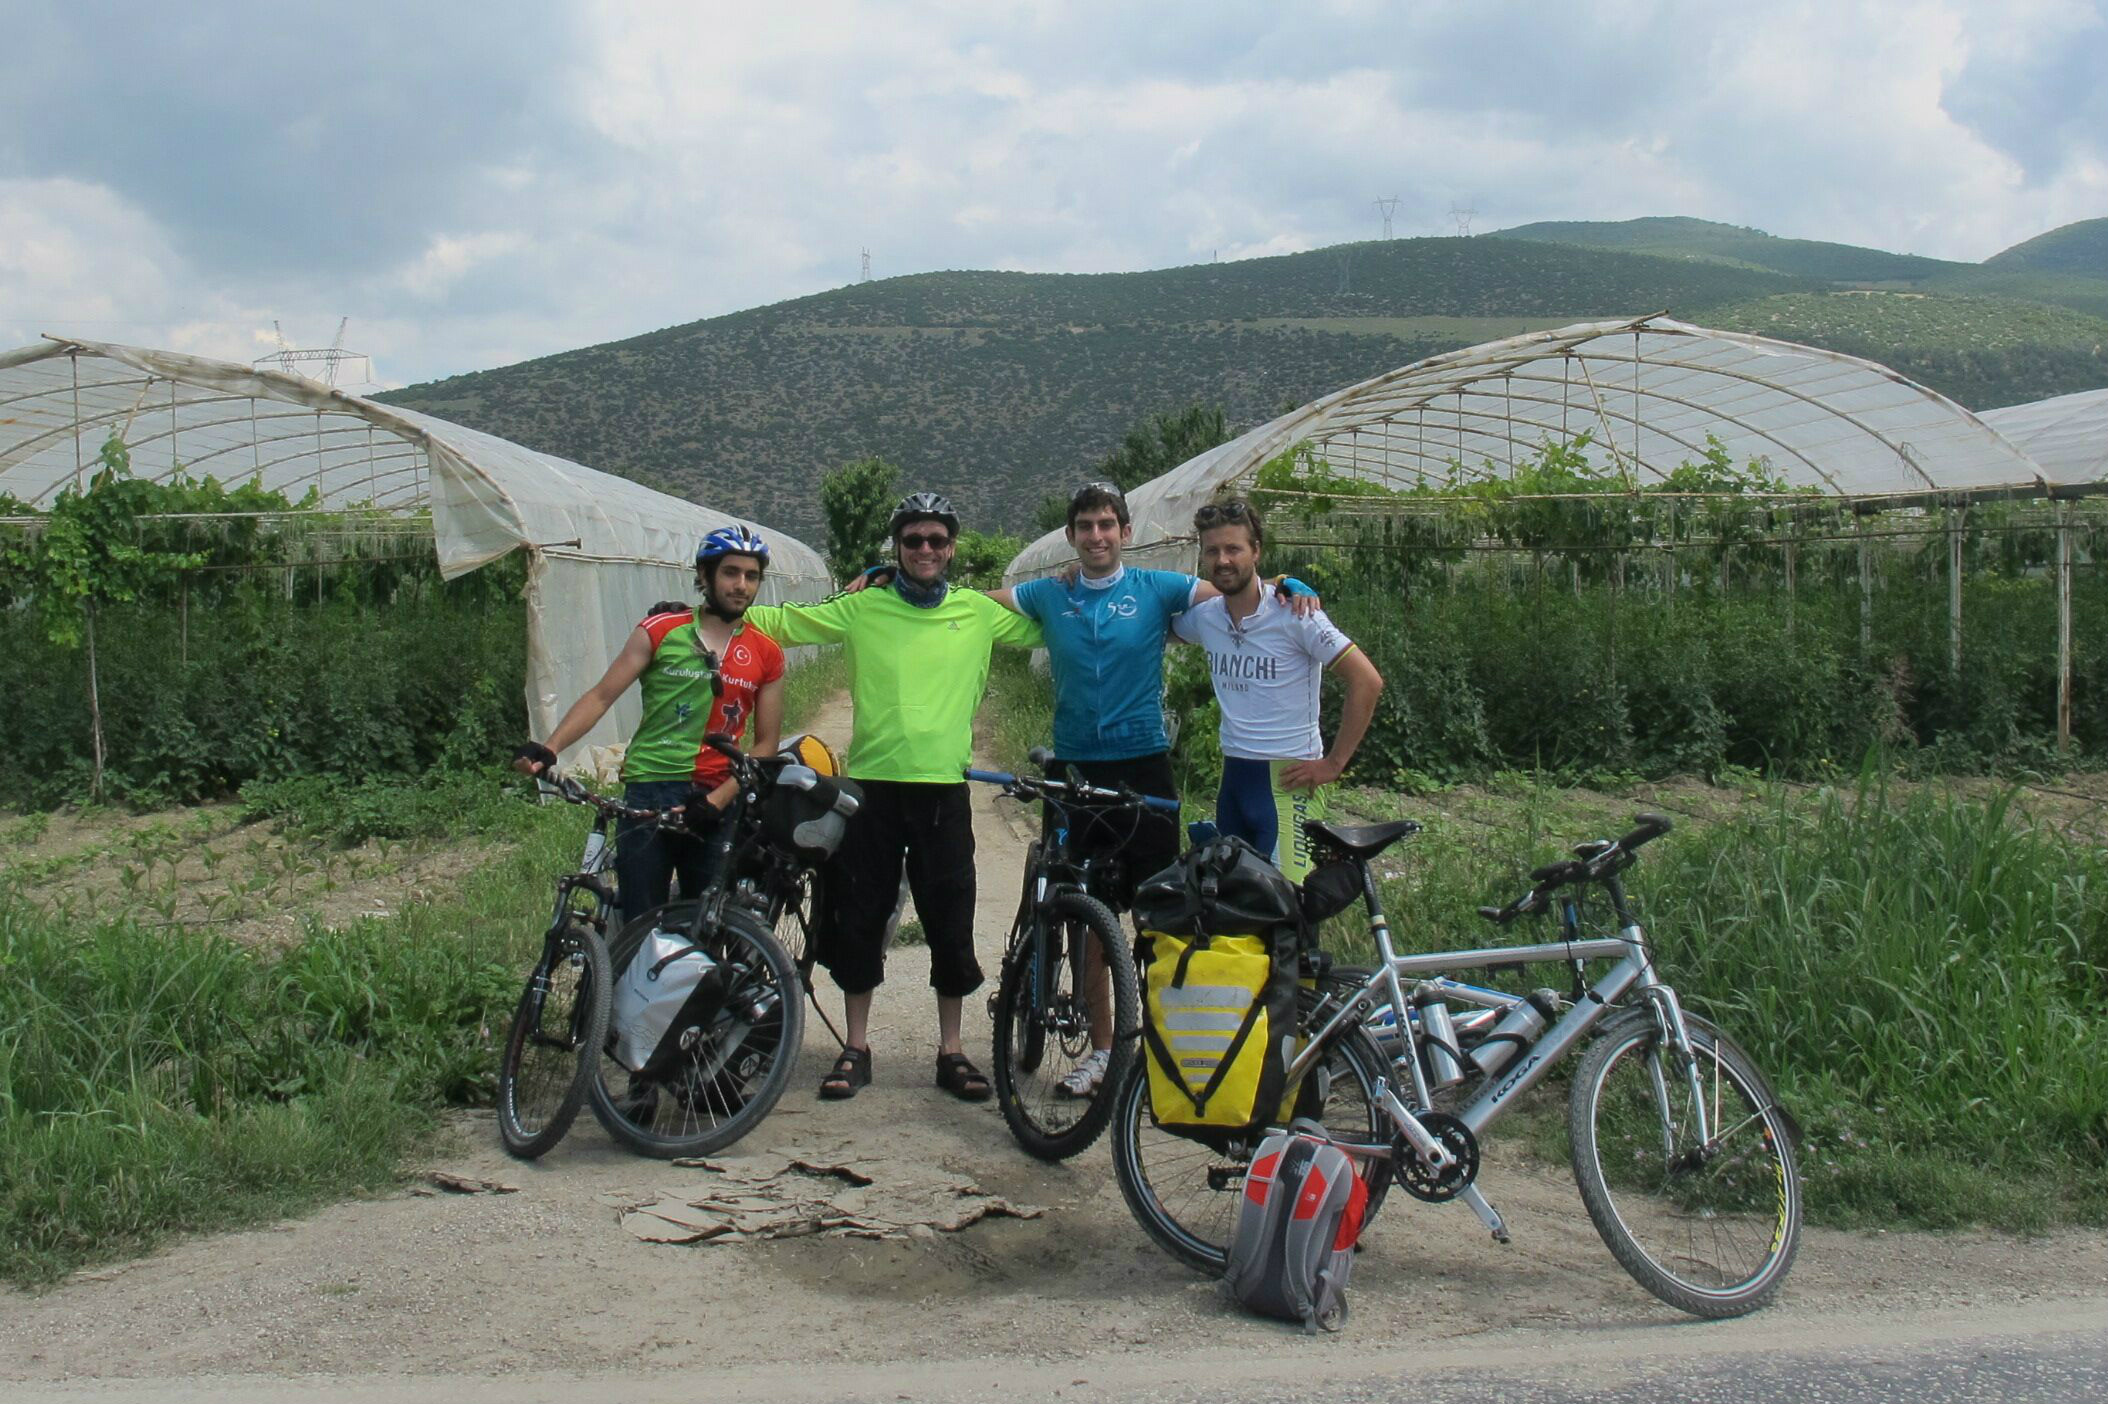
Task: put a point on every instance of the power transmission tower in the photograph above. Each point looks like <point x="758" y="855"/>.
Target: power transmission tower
<point x="329" y="357"/>
<point x="1346" y="269"/>
<point x="1384" y="208"/>
<point x="867" y="267"/>
<point x="1463" y="215"/>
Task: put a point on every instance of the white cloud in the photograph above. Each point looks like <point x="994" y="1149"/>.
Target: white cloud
<point x="624" y="167"/>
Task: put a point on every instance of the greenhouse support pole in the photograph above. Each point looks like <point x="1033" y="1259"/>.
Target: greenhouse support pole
<point x="2063" y="627"/>
<point x="1791" y="551"/>
<point x="1866" y="590"/>
<point x="94" y="702"/>
<point x="1954" y="593"/>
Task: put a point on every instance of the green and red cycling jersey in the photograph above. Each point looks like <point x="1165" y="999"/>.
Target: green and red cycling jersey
<point x="679" y="707"/>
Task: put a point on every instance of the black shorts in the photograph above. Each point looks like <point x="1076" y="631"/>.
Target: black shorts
<point x="1144" y="842"/>
<point x="929" y="828"/>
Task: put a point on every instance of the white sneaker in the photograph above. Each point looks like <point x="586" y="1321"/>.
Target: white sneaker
<point x="1083" y="1079"/>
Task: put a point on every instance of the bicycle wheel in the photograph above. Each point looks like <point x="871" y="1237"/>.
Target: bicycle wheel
<point x="557" y="1030"/>
<point x="1185" y="1194"/>
<point x="1709" y="1228"/>
<point x="797" y="904"/>
<point x="732" y="1066"/>
<point x="1042" y="1028"/>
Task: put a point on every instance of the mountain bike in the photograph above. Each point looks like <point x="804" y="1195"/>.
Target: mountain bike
<point x="1067" y="968"/>
<point x="562" y="1015"/>
<point x="734" y="1048"/>
<point x="1683" y="1155"/>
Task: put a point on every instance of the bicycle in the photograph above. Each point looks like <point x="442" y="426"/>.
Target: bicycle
<point x="735" y="1058"/>
<point x="562" y="1015"/>
<point x="1066" y="954"/>
<point x="1683" y="1156"/>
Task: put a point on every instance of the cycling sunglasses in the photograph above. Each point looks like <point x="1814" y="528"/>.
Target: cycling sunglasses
<point x="1217" y="514"/>
<point x="919" y="540"/>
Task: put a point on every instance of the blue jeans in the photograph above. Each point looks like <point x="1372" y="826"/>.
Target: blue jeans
<point x="648" y="858"/>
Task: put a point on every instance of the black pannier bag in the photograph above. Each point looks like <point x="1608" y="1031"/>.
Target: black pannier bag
<point x="1223" y="887"/>
<point x="807" y="813"/>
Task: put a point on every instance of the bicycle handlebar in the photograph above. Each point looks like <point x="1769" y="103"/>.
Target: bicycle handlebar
<point x="1597" y="865"/>
<point x="1025" y="787"/>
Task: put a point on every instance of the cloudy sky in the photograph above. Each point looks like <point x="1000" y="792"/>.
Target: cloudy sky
<point x="473" y="185"/>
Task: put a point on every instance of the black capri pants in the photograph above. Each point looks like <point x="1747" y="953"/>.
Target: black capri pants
<point x="929" y="828"/>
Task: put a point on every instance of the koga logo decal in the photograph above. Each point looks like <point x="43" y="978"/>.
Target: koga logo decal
<point x="1515" y="1077"/>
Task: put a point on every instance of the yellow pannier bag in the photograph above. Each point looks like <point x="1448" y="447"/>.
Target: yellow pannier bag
<point x="1219" y="1028"/>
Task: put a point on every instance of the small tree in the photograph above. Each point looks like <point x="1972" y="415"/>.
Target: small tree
<point x="1151" y="449"/>
<point x="857" y="500"/>
<point x="981" y="556"/>
<point x="95" y="553"/>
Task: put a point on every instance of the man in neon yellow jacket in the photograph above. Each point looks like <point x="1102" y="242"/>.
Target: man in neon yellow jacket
<point x="918" y="655"/>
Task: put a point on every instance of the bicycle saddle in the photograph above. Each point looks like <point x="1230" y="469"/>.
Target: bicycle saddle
<point x="1360" y="840"/>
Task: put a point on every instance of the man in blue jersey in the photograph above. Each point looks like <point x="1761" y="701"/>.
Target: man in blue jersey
<point x="1105" y="626"/>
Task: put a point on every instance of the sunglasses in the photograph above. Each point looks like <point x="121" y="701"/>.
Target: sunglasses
<point x="1218" y="513"/>
<point x="925" y="541"/>
<point x="710" y="661"/>
<point x="1111" y="490"/>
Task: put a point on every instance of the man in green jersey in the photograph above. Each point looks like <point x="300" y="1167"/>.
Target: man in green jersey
<point x="701" y="671"/>
<point x="918" y="655"/>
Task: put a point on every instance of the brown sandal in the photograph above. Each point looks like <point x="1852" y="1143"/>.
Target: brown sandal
<point x="850" y="1071"/>
<point x="957" y="1075"/>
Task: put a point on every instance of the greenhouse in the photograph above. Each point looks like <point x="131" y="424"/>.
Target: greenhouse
<point x="599" y="549"/>
<point x="1832" y="514"/>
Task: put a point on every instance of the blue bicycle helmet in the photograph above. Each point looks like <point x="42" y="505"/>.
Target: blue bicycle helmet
<point x="731" y="541"/>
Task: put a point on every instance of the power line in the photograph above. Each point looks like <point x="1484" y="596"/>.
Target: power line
<point x="329" y="357"/>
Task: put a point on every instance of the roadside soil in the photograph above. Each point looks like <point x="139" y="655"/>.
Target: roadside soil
<point x="210" y="866"/>
<point x="545" y="1281"/>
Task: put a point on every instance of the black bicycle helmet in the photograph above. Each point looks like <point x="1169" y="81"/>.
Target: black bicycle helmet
<point x="924" y="507"/>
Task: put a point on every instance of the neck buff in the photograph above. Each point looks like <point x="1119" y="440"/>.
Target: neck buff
<point x="920" y="596"/>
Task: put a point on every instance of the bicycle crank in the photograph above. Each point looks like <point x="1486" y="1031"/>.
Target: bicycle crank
<point x="1437" y="1186"/>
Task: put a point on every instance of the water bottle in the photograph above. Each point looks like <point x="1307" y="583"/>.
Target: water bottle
<point x="596" y="852"/>
<point x="1438" y="1044"/>
<point x="1517" y="1030"/>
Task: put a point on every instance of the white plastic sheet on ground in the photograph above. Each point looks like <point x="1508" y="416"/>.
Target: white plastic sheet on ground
<point x="603" y="548"/>
<point x="2066" y="435"/>
<point x="1648" y="391"/>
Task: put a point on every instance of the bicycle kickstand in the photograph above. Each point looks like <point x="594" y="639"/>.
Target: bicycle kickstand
<point x="1488" y="1215"/>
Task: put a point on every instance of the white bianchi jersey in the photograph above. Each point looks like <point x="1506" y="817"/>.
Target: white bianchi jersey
<point x="1266" y="671"/>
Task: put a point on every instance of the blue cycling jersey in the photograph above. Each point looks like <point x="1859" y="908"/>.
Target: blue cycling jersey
<point x="1106" y="642"/>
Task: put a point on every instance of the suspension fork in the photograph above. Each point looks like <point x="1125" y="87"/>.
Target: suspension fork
<point x="1675" y="1033"/>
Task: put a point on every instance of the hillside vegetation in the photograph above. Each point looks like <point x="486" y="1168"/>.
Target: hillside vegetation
<point x="1000" y="387"/>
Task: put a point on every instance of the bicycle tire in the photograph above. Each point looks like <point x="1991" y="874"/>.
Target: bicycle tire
<point x="1715" y="1236"/>
<point x="797" y="906"/>
<point x="1185" y="1194"/>
<point x="1036" y="1046"/>
<point x="714" y="1094"/>
<point x="556" y="1033"/>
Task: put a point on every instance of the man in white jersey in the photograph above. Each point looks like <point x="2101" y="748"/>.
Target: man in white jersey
<point x="1267" y="664"/>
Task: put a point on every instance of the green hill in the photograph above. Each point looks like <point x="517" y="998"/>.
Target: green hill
<point x="2080" y="248"/>
<point x="1002" y="387"/>
<point x="2066" y="267"/>
<point x="1730" y="243"/>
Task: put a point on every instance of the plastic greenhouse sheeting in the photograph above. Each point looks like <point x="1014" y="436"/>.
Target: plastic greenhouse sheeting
<point x="2067" y="435"/>
<point x="1650" y="392"/>
<point x="602" y="548"/>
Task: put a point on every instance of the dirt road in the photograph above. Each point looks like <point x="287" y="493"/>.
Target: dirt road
<point x="543" y="1285"/>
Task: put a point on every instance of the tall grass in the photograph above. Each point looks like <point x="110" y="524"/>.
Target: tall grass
<point x="1928" y="981"/>
<point x="156" y="1081"/>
